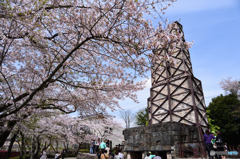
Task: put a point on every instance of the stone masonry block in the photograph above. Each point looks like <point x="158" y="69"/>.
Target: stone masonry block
<point x="158" y="136"/>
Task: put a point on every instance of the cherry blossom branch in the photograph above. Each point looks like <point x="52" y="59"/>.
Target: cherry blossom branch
<point x="64" y="6"/>
<point x="42" y="86"/>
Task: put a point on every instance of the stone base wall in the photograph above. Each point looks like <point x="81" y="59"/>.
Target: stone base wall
<point x="159" y="137"/>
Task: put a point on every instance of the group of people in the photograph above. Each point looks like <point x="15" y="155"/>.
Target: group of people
<point x="57" y="156"/>
<point x="150" y="156"/>
<point x="62" y="154"/>
<point x="214" y="142"/>
<point x="108" y="154"/>
<point x="102" y="150"/>
<point x="94" y="146"/>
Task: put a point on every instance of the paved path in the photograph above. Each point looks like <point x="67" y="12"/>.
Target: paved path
<point x="76" y="157"/>
<point x="91" y="154"/>
<point x="66" y="158"/>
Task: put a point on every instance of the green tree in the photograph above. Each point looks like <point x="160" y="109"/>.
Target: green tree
<point x="221" y="112"/>
<point x="210" y="122"/>
<point x="142" y="117"/>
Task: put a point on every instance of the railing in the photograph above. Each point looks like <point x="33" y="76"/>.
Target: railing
<point x="197" y="150"/>
<point x="121" y="147"/>
<point x="3" y="154"/>
<point x="192" y="150"/>
<point x="233" y="151"/>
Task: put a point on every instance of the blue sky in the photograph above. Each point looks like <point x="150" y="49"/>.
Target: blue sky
<point x="214" y="26"/>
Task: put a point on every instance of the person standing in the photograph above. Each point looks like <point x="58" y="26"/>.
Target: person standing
<point x="148" y="156"/>
<point x="116" y="156"/>
<point x="214" y="144"/>
<point x="207" y="138"/>
<point x="151" y="155"/>
<point x="108" y="149"/>
<point x="104" y="155"/>
<point x="103" y="145"/>
<point x="157" y="156"/>
<point x="99" y="155"/>
<point x="98" y="142"/>
<point x="213" y="140"/>
<point x="120" y="154"/>
<point x="225" y="147"/>
<point x="220" y="144"/>
<point x="58" y="155"/>
<point x="63" y="153"/>
<point x="108" y="142"/>
<point x="111" y="154"/>
<point x="94" y="146"/>
<point x="91" y="146"/>
<point x="44" y="154"/>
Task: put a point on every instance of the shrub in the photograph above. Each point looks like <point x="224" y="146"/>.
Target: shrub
<point x="50" y="156"/>
<point x="84" y="150"/>
<point x="17" y="157"/>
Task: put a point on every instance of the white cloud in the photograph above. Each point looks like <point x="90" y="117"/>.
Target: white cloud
<point x="149" y="83"/>
<point x="188" y="6"/>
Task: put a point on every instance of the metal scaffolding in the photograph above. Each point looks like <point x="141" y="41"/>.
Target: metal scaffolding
<point x="176" y="95"/>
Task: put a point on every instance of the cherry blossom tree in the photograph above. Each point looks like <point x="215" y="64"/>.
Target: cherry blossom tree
<point x="106" y="128"/>
<point x="35" y="130"/>
<point x="59" y="128"/>
<point x="42" y="131"/>
<point x="229" y="85"/>
<point x="75" y="55"/>
<point x="233" y="87"/>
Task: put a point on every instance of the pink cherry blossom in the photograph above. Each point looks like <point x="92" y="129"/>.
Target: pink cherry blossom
<point x="232" y="86"/>
<point x="76" y="56"/>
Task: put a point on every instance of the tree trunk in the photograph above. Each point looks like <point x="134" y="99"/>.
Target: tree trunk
<point x="57" y="145"/>
<point x="67" y="151"/>
<point x="19" y="146"/>
<point x="28" y="146"/>
<point x="79" y="146"/>
<point x="22" y="146"/>
<point x="50" y="142"/>
<point x="53" y="147"/>
<point x="25" y="153"/>
<point x="38" y="148"/>
<point x="10" y="146"/>
<point x="4" y="134"/>
<point x="33" y="148"/>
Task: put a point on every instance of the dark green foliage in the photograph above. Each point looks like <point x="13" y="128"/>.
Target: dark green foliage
<point x="210" y="122"/>
<point x="17" y="157"/>
<point x="72" y="155"/>
<point x="142" y="117"/>
<point x="84" y="150"/>
<point x="222" y="112"/>
<point x="50" y="156"/>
